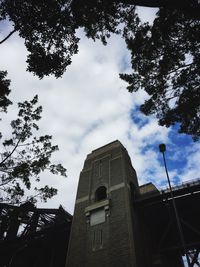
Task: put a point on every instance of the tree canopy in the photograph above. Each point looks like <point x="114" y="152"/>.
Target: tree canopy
<point x="165" y="55"/>
<point x="166" y="64"/>
<point x="24" y="155"/>
<point x="49" y="27"/>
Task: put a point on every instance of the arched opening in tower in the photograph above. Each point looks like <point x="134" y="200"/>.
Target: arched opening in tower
<point x="101" y="193"/>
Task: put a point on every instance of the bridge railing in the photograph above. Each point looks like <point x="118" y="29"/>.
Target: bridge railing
<point x="189" y="186"/>
<point x="182" y="185"/>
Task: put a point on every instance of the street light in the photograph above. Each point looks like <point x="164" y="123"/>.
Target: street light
<point x="162" y="148"/>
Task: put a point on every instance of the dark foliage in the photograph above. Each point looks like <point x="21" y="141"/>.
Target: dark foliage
<point x="166" y="64"/>
<point x="48" y="29"/>
<point x="4" y="91"/>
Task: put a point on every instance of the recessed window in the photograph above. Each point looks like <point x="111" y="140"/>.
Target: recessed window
<point x="101" y="193"/>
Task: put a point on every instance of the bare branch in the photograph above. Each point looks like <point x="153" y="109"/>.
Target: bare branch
<point x="2" y="41"/>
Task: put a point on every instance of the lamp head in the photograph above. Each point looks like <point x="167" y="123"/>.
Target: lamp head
<point x="162" y="148"/>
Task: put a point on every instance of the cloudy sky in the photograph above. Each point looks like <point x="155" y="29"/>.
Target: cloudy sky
<point x="89" y="107"/>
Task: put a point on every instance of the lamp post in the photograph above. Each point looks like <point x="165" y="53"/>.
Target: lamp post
<point x="162" y="149"/>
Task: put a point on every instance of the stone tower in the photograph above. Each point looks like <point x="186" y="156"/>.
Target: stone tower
<point x="103" y="229"/>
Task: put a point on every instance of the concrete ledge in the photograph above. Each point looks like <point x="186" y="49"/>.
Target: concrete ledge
<point x="103" y="149"/>
<point x="104" y="203"/>
<point x="82" y="199"/>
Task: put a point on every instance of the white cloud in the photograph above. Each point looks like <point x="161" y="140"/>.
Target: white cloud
<point x="192" y="169"/>
<point x="147" y="14"/>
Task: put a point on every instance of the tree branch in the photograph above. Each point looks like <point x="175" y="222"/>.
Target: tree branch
<point x="10" y="154"/>
<point x="6" y="182"/>
<point x="181" y="67"/>
<point x="5" y="171"/>
<point x="2" y="41"/>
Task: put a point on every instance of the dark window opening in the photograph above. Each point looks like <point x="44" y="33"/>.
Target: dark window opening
<point x="101" y="193"/>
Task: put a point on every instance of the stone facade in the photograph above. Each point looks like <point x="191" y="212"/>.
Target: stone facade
<point x="105" y="228"/>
